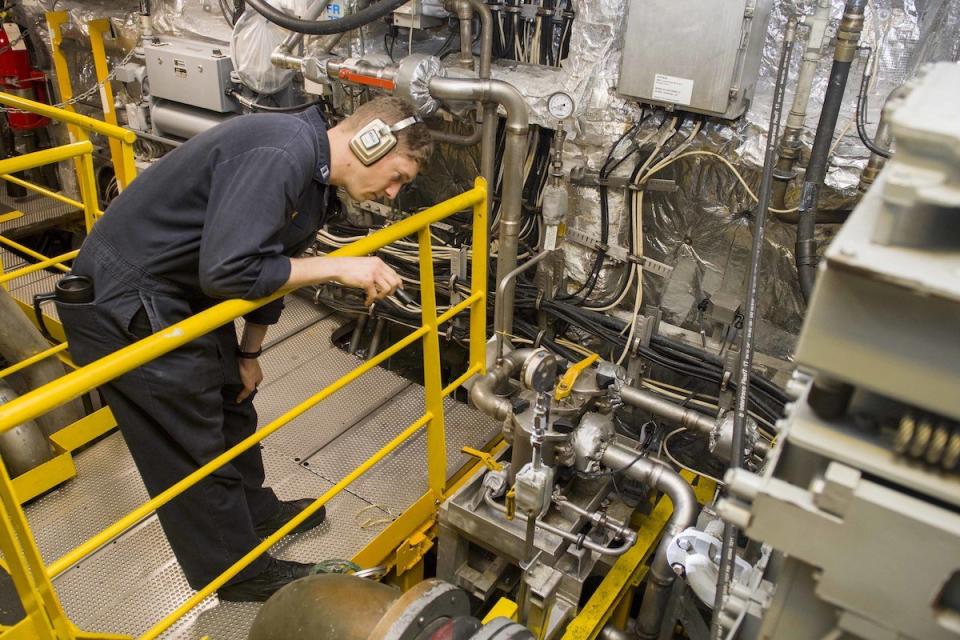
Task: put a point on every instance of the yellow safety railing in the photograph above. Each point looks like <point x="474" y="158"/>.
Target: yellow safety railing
<point x="81" y="152"/>
<point x="45" y="617"/>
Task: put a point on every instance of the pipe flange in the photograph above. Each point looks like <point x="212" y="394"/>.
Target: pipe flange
<point x="427" y="606"/>
<point x="412" y="81"/>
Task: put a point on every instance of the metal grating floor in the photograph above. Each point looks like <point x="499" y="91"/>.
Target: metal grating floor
<point x="35" y="209"/>
<point x="129" y="585"/>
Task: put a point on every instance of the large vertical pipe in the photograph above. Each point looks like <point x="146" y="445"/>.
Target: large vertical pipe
<point x="488" y="141"/>
<point x="517" y="126"/>
<point x="23" y="447"/>
<point x="790" y="143"/>
<point x="848" y="38"/>
<point x="19" y="340"/>
<point x="685" y="509"/>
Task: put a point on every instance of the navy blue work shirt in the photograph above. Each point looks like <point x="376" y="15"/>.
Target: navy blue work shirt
<point x="221" y="215"/>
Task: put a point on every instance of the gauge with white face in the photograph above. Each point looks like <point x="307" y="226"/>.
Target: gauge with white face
<point x="560" y="105"/>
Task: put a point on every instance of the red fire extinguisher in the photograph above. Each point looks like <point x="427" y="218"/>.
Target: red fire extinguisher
<point x="25" y="132"/>
<point x="17" y="76"/>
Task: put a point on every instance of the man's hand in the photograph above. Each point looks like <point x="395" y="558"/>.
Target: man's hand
<point x="372" y="275"/>
<point x="251" y="375"/>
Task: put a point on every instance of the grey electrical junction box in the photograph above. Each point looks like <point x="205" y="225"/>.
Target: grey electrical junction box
<point x="694" y="55"/>
<point x="189" y="72"/>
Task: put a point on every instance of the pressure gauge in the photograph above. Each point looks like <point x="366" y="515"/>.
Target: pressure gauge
<point x="560" y="105"/>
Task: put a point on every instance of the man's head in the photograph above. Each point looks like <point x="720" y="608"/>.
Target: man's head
<point x="388" y="175"/>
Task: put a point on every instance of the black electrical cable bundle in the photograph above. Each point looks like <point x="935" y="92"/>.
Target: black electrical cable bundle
<point x="590" y="282"/>
<point x="766" y="398"/>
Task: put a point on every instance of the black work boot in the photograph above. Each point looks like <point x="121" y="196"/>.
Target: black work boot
<point x="288" y="509"/>
<point x="278" y="574"/>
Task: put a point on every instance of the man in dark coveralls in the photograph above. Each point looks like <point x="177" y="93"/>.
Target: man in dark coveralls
<point x="223" y="216"/>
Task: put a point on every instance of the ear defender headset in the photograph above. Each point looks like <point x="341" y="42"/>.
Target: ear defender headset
<point x="376" y="139"/>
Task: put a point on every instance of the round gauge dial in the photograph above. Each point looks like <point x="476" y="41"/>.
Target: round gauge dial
<point x="560" y="105"/>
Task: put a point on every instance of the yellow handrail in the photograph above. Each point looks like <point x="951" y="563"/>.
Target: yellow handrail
<point x="74" y="384"/>
<point x="84" y="122"/>
<point x="32" y="578"/>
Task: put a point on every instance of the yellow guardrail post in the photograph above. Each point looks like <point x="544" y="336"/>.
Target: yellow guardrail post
<point x="45" y="618"/>
<point x="56" y="20"/>
<point x="98" y="30"/>
<point x="436" y="436"/>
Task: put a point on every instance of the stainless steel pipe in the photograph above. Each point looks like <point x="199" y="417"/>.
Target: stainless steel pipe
<point x="500" y="301"/>
<point x="651" y="402"/>
<point x="517" y="127"/>
<point x="685" y="509"/>
<point x="23" y="447"/>
<point x="483" y="393"/>
<point x="629" y="538"/>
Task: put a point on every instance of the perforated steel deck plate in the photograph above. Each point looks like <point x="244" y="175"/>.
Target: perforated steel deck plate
<point x="107" y="486"/>
<point x="400" y="478"/>
<point x="310" y="432"/>
<point x="298" y="314"/>
<point x="35" y="208"/>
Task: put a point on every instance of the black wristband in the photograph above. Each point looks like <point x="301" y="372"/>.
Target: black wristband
<point x="249" y="355"/>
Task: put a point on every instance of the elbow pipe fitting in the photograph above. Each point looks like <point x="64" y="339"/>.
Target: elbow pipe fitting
<point x="483" y="393"/>
<point x="486" y="91"/>
<point x="517" y="126"/>
<point x="685" y="510"/>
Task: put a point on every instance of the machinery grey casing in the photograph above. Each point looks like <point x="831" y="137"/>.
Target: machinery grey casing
<point x="190" y="72"/>
<point x="709" y="57"/>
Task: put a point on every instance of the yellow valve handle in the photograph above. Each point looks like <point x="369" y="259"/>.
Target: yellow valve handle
<point x="566" y="382"/>
<point x="484" y="457"/>
<point x="511" y="501"/>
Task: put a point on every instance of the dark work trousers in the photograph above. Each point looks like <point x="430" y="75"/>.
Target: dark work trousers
<point x="176" y="413"/>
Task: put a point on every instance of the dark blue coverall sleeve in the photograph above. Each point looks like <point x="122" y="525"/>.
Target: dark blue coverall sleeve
<point x="252" y="197"/>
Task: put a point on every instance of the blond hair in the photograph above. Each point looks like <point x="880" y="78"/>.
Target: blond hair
<point x="413" y="141"/>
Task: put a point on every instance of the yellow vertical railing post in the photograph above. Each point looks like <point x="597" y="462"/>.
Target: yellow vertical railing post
<point x="478" y="282"/>
<point x="55" y="21"/>
<point x="88" y="187"/>
<point x="432" y="383"/>
<point x="128" y="160"/>
<point x="98" y="29"/>
<point x="39" y="600"/>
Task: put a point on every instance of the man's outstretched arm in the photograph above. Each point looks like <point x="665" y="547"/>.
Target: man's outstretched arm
<point x="372" y="275"/>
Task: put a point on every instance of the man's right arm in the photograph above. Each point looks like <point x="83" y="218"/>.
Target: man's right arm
<point x="372" y="275"/>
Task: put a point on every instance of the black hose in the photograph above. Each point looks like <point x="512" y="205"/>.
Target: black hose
<point x="250" y="104"/>
<point x="861" y="117"/>
<point x="847" y="38"/>
<point x="325" y="27"/>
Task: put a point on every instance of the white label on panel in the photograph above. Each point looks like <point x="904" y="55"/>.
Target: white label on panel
<point x="550" y="237"/>
<point x="13" y="35"/>
<point x="672" y="89"/>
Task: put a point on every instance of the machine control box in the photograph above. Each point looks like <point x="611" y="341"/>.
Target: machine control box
<point x="190" y="72"/>
<point x="710" y="56"/>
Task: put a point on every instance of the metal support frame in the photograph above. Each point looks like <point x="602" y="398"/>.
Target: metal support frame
<point x="121" y="156"/>
<point x="45" y="616"/>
